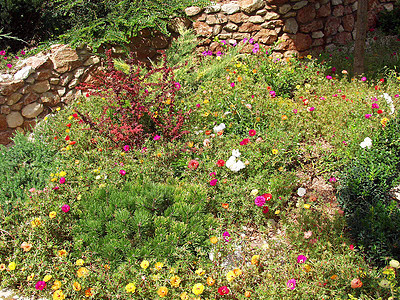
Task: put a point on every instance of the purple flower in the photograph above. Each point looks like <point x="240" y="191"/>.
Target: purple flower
<point x="122" y="172"/>
<point x="126" y="148"/>
<point x="65" y="208"/>
<point x="226" y="236"/>
<point x="62" y="180"/>
<point x="301" y="259"/>
<point x="213" y="182"/>
<point x="367" y="116"/>
<point x="259" y="201"/>
<point x="291" y="284"/>
<point x="157" y="137"/>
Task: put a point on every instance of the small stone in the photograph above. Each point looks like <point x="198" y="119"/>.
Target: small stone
<point x="291" y="26"/>
<point x="5" y="109"/>
<point x="337" y="2"/>
<point x="2" y="100"/>
<point x="284" y="8"/>
<point x="10" y="87"/>
<point x="31" y="97"/>
<point x="32" y="110"/>
<point x="23" y="73"/>
<point x="230" y="8"/>
<point x="318" y="42"/>
<point x="70" y="96"/>
<point x="306" y="14"/>
<point x="79" y="72"/>
<point x="93" y="60"/>
<point x="340" y="29"/>
<point x="61" y="91"/>
<point x="14" y="119"/>
<point x="299" y="5"/>
<point x="256" y="19"/>
<point x="50" y="98"/>
<point x="3" y="124"/>
<point x="216" y="19"/>
<point x="348" y="22"/>
<point x="41" y="86"/>
<point x="241" y="36"/>
<point x="248" y="6"/>
<point x="302" y="41"/>
<point x="17" y="106"/>
<point x="266" y="36"/>
<point x="231" y="27"/>
<point x="290" y="14"/>
<point x="14" y="98"/>
<point x="388" y="6"/>
<point x="225" y="36"/>
<point x="38" y="62"/>
<point x="261" y="12"/>
<point x="66" y="78"/>
<point x="338" y="11"/>
<point x="271" y="16"/>
<point x="272" y="24"/>
<point x="317" y="34"/>
<point x="192" y="11"/>
<point x="217" y="29"/>
<point x="354" y="6"/>
<point x="54" y="81"/>
<point x="213" y="9"/>
<point x="6" y="78"/>
<point x="31" y="79"/>
<point x="249" y="27"/>
<point x="238" y="18"/>
<point x="73" y="83"/>
<point x="324" y="10"/>
<point x="43" y="75"/>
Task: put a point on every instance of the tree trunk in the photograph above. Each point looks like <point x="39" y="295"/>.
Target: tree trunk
<point x="361" y="33"/>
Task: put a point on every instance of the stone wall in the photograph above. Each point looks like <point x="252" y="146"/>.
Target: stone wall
<point x="301" y="26"/>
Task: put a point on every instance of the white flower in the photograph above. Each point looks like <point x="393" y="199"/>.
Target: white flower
<point x="248" y="105"/>
<point x="227" y="113"/>
<point x="230" y="162"/>
<point x="219" y="128"/>
<point x="235" y="153"/>
<point x="389" y="101"/>
<point x="254" y="192"/>
<point x="301" y="191"/>
<point x="234" y="165"/>
<point x="366" y="143"/>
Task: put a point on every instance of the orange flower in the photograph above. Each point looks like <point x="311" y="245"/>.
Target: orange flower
<point x="26" y="246"/>
<point x="82" y="272"/>
<point x="88" y="293"/>
<point x="284" y="117"/>
<point x="208" y="132"/>
<point x="225" y="205"/>
<point x="356" y="283"/>
<point x="62" y="253"/>
<point x="213" y="240"/>
<point x="210" y="281"/>
<point x="76" y="285"/>
<point x="162" y="291"/>
<point x="239" y="78"/>
<point x="247" y="294"/>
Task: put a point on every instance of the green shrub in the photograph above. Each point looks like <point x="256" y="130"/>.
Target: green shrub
<point x="389" y="21"/>
<point x="372" y="214"/>
<point x="143" y="220"/>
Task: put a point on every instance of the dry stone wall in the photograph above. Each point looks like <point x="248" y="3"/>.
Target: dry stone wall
<point x="300" y="26"/>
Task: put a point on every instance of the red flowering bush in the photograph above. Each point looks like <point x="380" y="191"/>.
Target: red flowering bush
<point x="142" y="103"/>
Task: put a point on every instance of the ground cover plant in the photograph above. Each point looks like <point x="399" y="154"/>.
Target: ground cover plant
<point x="242" y="205"/>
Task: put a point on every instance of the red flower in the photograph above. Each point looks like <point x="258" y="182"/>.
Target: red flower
<point x="223" y="290"/>
<point x="351" y="247"/>
<point x="244" y="142"/>
<point x="67" y="138"/>
<point x="75" y="116"/>
<point x="193" y="164"/>
<point x="265" y="210"/>
<point x="267" y="196"/>
<point x="220" y="163"/>
<point x="252" y="132"/>
<point x="382" y="80"/>
<point x="379" y="111"/>
<point x="72" y="143"/>
<point x="69" y="125"/>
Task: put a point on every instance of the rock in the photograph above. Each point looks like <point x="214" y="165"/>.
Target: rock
<point x="238" y="18"/>
<point x="50" y="98"/>
<point x="6" y="78"/>
<point x="347" y="10"/>
<point x="291" y="53"/>
<point x="266" y="36"/>
<point x="61" y="91"/>
<point x="261" y="12"/>
<point x="216" y="19"/>
<point x="54" y="80"/>
<point x="256" y="19"/>
<point x="302" y="41"/>
<point x="23" y="73"/>
<point x="306" y="14"/>
<point x="331" y="26"/>
<point x="93" y="60"/>
<point x="177" y="23"/>
<point x="225" y="36"/>
<point x="14" y="119"/>
<point x="202" y="29"/>
<point x="388" y="6"/>
<point x="13" y="98"/>
<point x="317" y="34"/>
<point x="248" y="6"/>
<point x="5" y="110"/>
<point x="38" y="62"/>
<point x="213" y="9"/>
<point x="249" y="27"/>
<point x="271" y="16"/>
<point x="43" y="75"/>
<point x="32" y="110"/>
<point x="318" y="42"/>
<point x="10" y="87"/>
<point x="31" y="97"/>
<point x="324" y="11"/>
<point x="217" y="30"/>
<point x="337" y="2"/>
<point x="354" y="6"/>
<point x="343" y="38"/>
<point x="66" y="78"/>
<point x="65" y="59"/>
<point x="41" y="86"/>
<point x="300" y="4"/>
<point x="313" y="26"/>
<point x="192" y="11"/>
<point x="74" y="83"/>
<point x="160" y="42"/>
<point x="272" y="24"/>
<point x="230" y="27"/>
<point x="17" y="106"/>
<point x="201" y="17"/>
<point x="3" y="100"/>
<point x="29" y="124"/>
<point x="277" y="2"/>
<point x="291" y="26"/>
<point x="286" y="43"/>
<point x="241" y="36"/>
<point x="284" y="8"/>
<point x="290" y="14"/>
<point x="348" y="22"/>
<point x="340" y="29"/>
<point x="230" y="8"/>
<point x="338" y="11"/>
<point x="3" y="123"/>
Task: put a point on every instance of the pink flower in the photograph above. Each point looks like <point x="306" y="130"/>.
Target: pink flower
<point x="2" y="52"/>
<point x="65" y="208"/>
<point x="144" y="150"/>
<point x="40" y="285"/>
<point x="32" y="190"/>
<point x="311" y="108"/>
<point x="252" y="132"/>
<point x="375" y="105"/>
<point x="272" y="93"/>
<point x="332" y="179"/>
<point x="177" y="85"/>
<point x="364" y="79"/>
<point x="9" y="66"/>
<point x="126" y="148"/>
<point x="307" y="234"/>
<point x="259" y="201"/>
<point x="397" y="96"/>
<point x="295" y="111"/>
<point x="62" y="180"/>
<point x="198" y="105"/>
<point x="193" y="164"/>
<point x="122" y="172"/>
<point x="157" y="137"/>
<point x="56" y="188"/>
<point x="301" y="259"/>
<point x="23" y="52"/>
<point x="367" y="116"/>
<point x="329" y="77"/>
<point x="232" y="84"/>
<point x="16" y="57"/>
<point x="291" y="284"/>
<point x="226" y="236"/>
<point x="213" y="182"/>
<point x="244" y="142"/>
<point x="212" y="174"/>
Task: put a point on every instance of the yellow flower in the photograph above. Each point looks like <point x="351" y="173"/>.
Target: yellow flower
<point x="200" y="272"/>
<point x="307" y="206"/>
<point x="172" y="270"/>
<point x="79" y="197"/>
<point x="155" y="277"/>
<point x="63" y="173"/>
<point x="144" y="264"/>
<point x="175" y="281"/>
<point x="36" y="222"/>
<point x="309" y="56"/>
<point x="237" y="272"/>
<point x="67" y="130"/>
<point x="334" y="277"/>
<point x="159" y="154"/>
<point x="307" y="268"/>
<point x="168" y="102"/>
<point x="206" y="114"/>
<point x="58" y="109"/>
<point x="255" y="259"/>
<point x="184" y="296"/>
<point x="47" y="278"/>
<point x="82" y="272"/>
<point x="56" y="285"/>
<point x="11" y="266"/>
<point x="230" y="276"/>
<point x="277" y="212"/>
<point x="210" y="281"/>
<point x="162" y="291"/>
<point x="79" y="262"/>
<point x="53" y="179"/>
<point x="206" y="101"/>
<point x="77" y="286"/>
<point x="30" y="277"/>
<point x="275" y="151"/>
<point x="130" y="288"/>
<point x="213" y="240"/>
<point x="384" y="121"/>
<point x="62" y="253"/>
<point x="158" y="266"/>
<point x="70" y="117"/>
<point x="58" y="295"/>
<point x="52" y="214"/>
<point x="247" y="294"/>
<point x="190" y="144"/>
<point x="198" y="289"/>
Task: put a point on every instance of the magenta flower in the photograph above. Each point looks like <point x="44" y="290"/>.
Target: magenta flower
<point x="62" y="180"/>
<point x="295" y="111"/>
<point x="9" y="66"/>
<point x="367" y="116"/>
<point x="177" y="85"/>
<point x="259" y="201"/>
<point x="364" y="79"/>
<point x="329" y="77"/>
<point x="375" y="105"/>
<point x="272" y="93"/>
<point x="157" y="137"/>
<point x="122" y="172"/>
<point x="212" y="174"/>
<point x="65" y="208"/>
<point x="16" y="57"/>
<point x="198" y="105"/>
<point x="301" y="259"/>
<point x="291" y="284"/>
<point x="2" y="52"/>
<point x="232" y="84"/>
<point x="126" y="148"/>
<point x="40" y="285"/>
<point x="23" y="52"/>
<point x="312" y="108"/>
<point x="226" y="236"/>
<point x="56" y="188"/>
<point x="213" y="182"/>
<point x="332" y="179"/>
<point x="252" y="132"/>
<point x="397" y="96"/>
